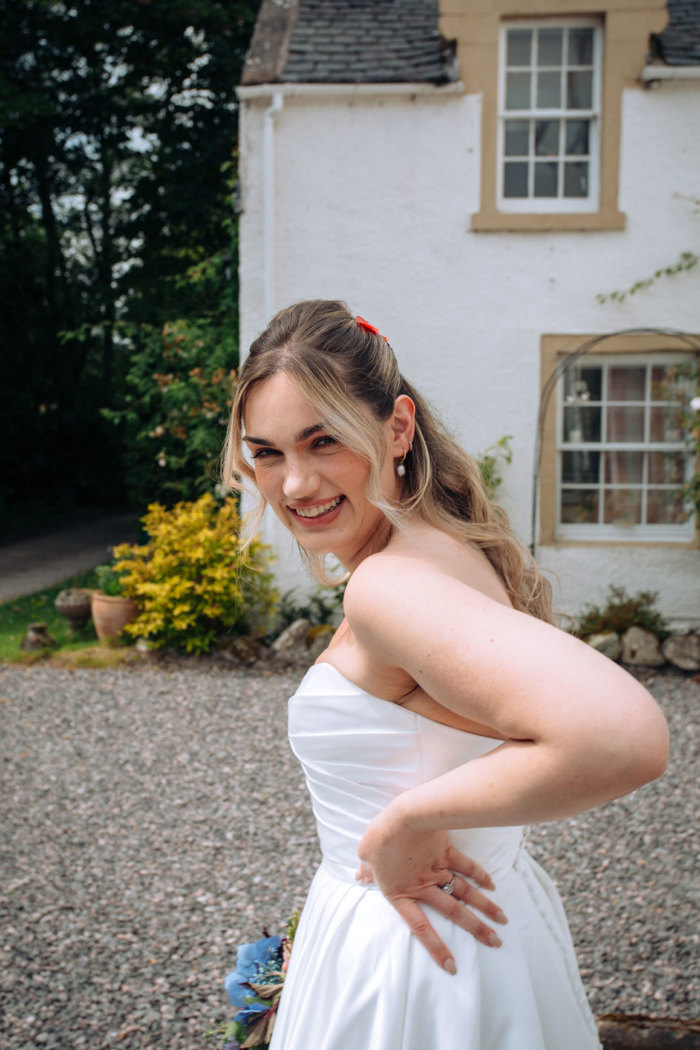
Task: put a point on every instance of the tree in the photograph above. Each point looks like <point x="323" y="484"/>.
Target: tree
<point x="118" y="133"/>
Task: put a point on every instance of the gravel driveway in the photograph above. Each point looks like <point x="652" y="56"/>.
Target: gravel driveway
<point x="154" y="818"/>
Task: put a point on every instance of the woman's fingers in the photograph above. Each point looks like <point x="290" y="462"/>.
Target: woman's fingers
<point x="453" y="908"/>
<point x="468" y="894"/>
<point x="411" y="912"/>
<point x="420" y="926"/>
<point x="464" y="865"/>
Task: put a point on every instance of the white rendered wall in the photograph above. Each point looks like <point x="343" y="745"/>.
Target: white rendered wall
<point x="372" y="205"/>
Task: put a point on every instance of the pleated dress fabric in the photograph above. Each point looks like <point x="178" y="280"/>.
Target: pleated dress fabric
<point x="358" y="979"/>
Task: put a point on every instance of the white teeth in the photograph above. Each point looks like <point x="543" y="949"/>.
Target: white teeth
<point x="313" y="512"/>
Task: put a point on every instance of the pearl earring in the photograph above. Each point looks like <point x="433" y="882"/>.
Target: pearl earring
<point x="401" y="468"/>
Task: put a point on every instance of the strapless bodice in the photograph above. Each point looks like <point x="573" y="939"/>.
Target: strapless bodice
<point x="359" y="752"/>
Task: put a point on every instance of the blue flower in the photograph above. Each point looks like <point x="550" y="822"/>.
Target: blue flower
<point x="248" y="1015"/>
<point x="251" y="959"/>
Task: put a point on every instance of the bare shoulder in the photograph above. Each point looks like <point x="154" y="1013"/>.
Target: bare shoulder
<point x="424" y="564"/>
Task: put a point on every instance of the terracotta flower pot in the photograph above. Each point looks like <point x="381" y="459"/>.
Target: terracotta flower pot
<point x="111" y="615"/>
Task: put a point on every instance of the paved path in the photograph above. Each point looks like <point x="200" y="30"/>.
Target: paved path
<point x="31" y="565"/>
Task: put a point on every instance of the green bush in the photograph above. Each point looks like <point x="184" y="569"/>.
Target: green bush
<point x="175" y="407"/>
<point x="320" y="608"/>
<point x="195" y="579"/>
<point x="108" y="581"/>
<point x="622" y="611"/>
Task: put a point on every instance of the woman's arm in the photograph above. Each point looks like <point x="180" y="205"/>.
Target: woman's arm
<point x="578" y="730"/>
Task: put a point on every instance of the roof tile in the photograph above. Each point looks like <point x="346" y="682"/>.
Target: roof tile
<point x="379" y="41"/>
<point x="679" y="44"/>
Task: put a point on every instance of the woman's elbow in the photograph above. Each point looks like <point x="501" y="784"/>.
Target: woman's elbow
<point x="646" y="749"/>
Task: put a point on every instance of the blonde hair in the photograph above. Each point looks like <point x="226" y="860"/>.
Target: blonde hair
<point x="351" y="376"/>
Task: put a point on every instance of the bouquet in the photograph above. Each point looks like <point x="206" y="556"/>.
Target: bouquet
<point x="255" y="987"/>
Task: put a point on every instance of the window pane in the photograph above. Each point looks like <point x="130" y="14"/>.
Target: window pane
<point x="579" y="90"/>
<point x="517" y="138"/>
<point x="626" y="384"/>
<point x="625" y="424"/>
<point x="664" y="424"/>
<point x="515" y="179"/>
<point x="549" y="90"/>
<point x="546" y="179"/>
<point x="519" y="48"/>
<point x="666" y="468"/>
<point x="664" y="507"/>
<point x="576" y="179"/>
<point x="547" y="138"/>
<point x="577" y="137"/>
<point x="580" y="47"/>
<point x="624" y="468"/>
<point x="583" y="384"/>
<point x="518" y="91"/>
<point x="581" y="423"/>
<point x="580" y="466"/>
<point x="579" y="506"/>
<point x="549" y="47"/>
<point x="622" y="507"/>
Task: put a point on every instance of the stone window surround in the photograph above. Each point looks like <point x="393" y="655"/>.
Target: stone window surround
<point x="560" y="203"/>
<point x="552" y="349"/>
<point x="476" y="25"/>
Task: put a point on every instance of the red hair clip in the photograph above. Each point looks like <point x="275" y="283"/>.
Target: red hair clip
<point x="370" y="327"/>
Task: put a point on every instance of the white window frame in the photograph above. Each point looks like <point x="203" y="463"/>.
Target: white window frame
<point x="682" y="532"/>
<point x="552" y="205"/>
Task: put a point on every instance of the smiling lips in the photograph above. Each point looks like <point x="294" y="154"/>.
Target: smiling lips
<point x="316" y="512"/>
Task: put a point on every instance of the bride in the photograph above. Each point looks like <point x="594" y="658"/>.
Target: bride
<point x="446" y="713"/>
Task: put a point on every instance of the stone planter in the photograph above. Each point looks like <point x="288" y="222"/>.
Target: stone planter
<point x="111" y="615"/>
<point x="74" y="605"/>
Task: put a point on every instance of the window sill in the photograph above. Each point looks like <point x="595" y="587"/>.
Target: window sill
<point x="530" y="222"/>
<point x="561" y="543"/>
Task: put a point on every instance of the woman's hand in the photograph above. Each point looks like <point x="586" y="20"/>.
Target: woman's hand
<point x="410" y="867"/>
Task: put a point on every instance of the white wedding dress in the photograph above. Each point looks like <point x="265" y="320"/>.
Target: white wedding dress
<point x="358" y="979"/>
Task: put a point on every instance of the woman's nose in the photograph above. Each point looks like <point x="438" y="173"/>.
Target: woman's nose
<point x="300" y="479"/>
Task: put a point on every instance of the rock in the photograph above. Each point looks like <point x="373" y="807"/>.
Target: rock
<point x="241" y="649"/>
<point x="608" y="643"/>
<point x="683" y="650"/>
<point x="37" y="637"/>
<point x="640" y="647"/>
<point x="290" y="648"/>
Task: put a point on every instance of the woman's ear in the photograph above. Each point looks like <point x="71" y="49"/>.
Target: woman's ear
<point x="403" y="424"/>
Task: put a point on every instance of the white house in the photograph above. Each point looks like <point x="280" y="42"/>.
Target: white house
<point x="473" y="179"/>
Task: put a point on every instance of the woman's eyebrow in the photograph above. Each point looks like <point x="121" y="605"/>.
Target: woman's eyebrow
<point x="301" y="436"/>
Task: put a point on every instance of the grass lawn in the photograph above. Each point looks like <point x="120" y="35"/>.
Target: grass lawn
<point x="34" y="608"/>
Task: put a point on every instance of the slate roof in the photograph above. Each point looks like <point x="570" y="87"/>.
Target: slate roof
<point x="349" y="41"/>
<point x="679" y="44"/>
<point x="385" y="41"/>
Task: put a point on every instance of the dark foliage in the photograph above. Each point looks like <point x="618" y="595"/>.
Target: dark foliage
<point x="117" y="142"/>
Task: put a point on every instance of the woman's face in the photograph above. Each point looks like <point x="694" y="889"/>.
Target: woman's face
<point x="314" y="484"/>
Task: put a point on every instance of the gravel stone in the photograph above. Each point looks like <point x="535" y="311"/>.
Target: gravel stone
<point x="153" y="819"/>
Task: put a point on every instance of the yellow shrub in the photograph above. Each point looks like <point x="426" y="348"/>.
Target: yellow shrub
<point x="194" y="579"/>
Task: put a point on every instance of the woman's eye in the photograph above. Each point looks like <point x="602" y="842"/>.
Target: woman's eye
<point x="264" y="453"/>
<point x="326" y="441"/>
